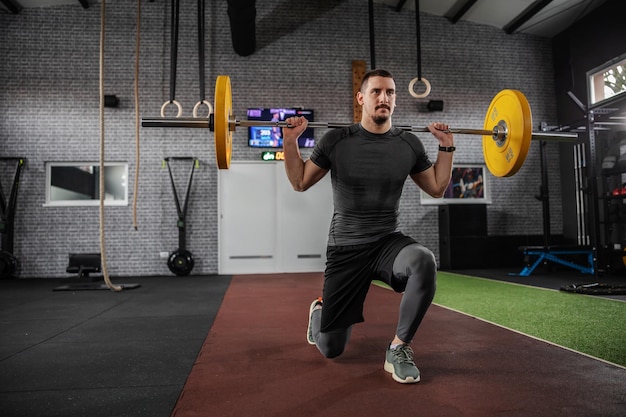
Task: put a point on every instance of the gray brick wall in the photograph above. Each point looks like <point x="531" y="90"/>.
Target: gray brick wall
<point x="49" y="112"/>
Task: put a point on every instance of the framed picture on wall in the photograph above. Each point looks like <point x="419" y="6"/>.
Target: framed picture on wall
<point x="469" y="185"/>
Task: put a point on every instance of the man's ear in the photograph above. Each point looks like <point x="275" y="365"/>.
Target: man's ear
<point x="359" y="98"/>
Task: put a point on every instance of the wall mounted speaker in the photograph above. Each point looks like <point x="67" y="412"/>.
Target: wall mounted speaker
<point x="435" y="105"/>
<point x="111" y="101"/>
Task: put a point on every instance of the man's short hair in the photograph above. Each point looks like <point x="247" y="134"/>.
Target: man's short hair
<point x="374" y="73"/>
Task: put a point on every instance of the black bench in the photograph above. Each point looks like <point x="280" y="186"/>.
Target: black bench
<point x="84" y="264"/>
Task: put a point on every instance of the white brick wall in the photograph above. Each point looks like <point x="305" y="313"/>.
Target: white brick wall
<point x="49" y="111"/>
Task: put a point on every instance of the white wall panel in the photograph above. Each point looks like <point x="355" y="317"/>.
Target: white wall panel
<point x="303" y="224"/>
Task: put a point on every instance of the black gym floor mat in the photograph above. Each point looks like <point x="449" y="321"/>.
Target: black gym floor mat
<point x="128" y="353"/>
<point x="102" y="353"/>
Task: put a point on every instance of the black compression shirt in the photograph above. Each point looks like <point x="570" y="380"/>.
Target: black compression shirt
<point x="368" y="172"/>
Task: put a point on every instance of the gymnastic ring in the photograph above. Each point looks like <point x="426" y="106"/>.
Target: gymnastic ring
<point x="412" y="85"/>
<point x="180" y="108"/>
<point x="198" y="104"/>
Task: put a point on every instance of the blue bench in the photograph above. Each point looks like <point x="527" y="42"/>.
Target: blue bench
<point x="556" y="254"/>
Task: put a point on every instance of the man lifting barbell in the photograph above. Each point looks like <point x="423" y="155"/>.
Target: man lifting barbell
<point x="369" y="163"/>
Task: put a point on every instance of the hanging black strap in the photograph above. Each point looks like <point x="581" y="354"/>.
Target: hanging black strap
<point x="174" y="48"/>
<point x="418" y="40"/>
<point x="8" y="207"/>
<point x="372" y="48"/>
<point x="182" y="212"/>
<point x="201" y="8"/>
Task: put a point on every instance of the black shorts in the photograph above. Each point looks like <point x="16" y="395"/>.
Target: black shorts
<point x="349" y="273"/>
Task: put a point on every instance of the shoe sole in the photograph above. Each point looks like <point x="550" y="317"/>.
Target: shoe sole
<point x="308" y="328"/>
<point x="408" y="380"/>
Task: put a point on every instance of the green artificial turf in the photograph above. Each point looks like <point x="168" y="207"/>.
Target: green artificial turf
<point x="592" y="325"/>
<point x="589" y="324"/>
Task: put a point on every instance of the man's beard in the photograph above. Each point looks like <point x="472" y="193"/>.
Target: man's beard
<point x="381" y="120"/>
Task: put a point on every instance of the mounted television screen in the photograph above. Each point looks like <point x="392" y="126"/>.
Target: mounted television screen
<point x="272" y="136"/>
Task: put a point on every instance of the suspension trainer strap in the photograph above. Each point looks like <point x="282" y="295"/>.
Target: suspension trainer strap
<point x="182" y="211"/>
<point x="193" y="167"/>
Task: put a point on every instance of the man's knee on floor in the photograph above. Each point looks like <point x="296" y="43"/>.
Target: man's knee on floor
<point x="331" y="351"/>
<point x="333" y="343"/>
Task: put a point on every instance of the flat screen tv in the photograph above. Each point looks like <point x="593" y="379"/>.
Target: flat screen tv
<point x="272" y="136"/>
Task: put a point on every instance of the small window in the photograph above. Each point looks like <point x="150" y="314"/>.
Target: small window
<point x="78" y="183"/>
<point x="607" y="81"/>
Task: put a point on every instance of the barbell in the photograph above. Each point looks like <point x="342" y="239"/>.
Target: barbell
<point x="507" y="130"/>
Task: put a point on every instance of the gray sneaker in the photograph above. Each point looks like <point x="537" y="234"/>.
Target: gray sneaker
<point x="400" y="364"/>
<point x="309" y="330"/>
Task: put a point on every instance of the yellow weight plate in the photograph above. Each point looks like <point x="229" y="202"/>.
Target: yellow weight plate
<point x="221" y="121"/>
<point x="505" y="157"/>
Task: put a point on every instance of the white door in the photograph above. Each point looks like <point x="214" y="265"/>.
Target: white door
<point x="247" y="218"/>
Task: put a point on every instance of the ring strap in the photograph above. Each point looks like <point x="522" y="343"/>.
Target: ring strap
<point x="201" y="8"/>
<point x="174" y="48"/>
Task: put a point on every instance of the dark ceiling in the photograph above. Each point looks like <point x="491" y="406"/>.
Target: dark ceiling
<point x="545" y="18"/>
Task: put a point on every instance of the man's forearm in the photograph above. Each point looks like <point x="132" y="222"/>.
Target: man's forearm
<point x="294" y="165"/>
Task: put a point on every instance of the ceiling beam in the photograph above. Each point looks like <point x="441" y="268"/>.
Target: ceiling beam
<point x="400" y="5"/>
<point x="525" y="16"/>
<point x="12" y="5"/>
<point x="457" y="11"/>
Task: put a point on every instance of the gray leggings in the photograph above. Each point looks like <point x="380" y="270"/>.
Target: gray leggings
<point x="414" y="273"/>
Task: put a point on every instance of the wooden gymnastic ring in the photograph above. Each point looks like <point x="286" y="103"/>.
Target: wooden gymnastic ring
<point x="198" y="104"/>
<point x="176" y="103"/>
<point x="412" y="86"/>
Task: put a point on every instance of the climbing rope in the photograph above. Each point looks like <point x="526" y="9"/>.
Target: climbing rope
<point x="137" y="121"/>
<point x="105" y="272"/>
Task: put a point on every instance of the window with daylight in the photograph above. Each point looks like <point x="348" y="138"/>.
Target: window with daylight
<point x="607" y="81"/>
